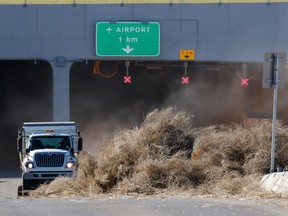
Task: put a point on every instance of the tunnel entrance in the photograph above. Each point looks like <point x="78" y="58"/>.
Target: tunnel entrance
<point x="102" y="104"/>
<point x="26" y="95"/>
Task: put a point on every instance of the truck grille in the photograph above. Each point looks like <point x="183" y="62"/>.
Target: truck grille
<point x="49" y="160"/>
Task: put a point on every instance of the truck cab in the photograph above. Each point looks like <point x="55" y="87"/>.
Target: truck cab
<point x="47" y="150"/>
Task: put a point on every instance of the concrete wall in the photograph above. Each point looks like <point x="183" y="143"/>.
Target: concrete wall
<point x="226" y="32"/>
<point x="276" y="182"/>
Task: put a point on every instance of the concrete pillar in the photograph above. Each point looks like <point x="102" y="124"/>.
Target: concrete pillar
<point x="61" y="89"/>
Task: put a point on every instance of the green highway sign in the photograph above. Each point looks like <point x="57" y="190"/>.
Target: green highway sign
<point x="128" y="39"/>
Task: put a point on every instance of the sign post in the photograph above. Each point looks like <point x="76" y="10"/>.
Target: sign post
<point x="273" y="63"/>
<point x="128" y="39"/>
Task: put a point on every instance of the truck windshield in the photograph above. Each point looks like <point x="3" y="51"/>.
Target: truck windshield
<point x="51" y="142"/>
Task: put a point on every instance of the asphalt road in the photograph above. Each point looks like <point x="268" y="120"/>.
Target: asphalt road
<point x="129" y="205"/>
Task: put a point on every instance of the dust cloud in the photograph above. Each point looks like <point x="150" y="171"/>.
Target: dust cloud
<point x="102" y="106"/>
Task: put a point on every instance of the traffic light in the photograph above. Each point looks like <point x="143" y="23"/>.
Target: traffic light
<point x="185" y="80"/>
<point x="127" y="79"/>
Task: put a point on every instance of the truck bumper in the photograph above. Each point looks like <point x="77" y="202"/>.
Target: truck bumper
<point x="46" y="175"/>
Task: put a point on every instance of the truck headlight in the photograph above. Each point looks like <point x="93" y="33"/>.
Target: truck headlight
<point x="70" y="164"/>
<point x="29" y="165"/>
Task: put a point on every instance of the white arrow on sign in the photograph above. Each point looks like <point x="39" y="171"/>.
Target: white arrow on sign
<point x="127" y="49"/>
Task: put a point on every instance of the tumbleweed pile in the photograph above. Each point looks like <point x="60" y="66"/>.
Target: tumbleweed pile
<point x="166" y="153"/>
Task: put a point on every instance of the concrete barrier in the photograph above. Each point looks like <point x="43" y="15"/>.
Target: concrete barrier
<point x="276" y="182"/>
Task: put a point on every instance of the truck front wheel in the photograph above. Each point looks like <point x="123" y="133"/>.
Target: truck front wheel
<point x="20" y="191"/>
<point x="25" y="184"/>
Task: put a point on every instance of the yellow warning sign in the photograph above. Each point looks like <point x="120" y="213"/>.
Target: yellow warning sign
<point x="186" y="54"/>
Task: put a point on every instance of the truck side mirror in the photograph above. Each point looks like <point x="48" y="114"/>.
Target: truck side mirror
<point x="80" y="144"/>
<point x="19" y="144"/>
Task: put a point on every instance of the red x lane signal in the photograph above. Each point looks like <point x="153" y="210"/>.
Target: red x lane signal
<point x="244" y="81"/>
<point x="127" y="79"/>
<point x="185" y="80"/>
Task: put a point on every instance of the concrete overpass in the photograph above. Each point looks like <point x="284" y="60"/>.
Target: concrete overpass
<point x="62" y="32"/>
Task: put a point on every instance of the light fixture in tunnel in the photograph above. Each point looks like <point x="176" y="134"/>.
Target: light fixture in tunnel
<point x="153" y="67"/>
<point x="154" y="71"/>
<point x="127" y="78"/>
<point x="185" y="78"/>
<point x="212" y="69"/>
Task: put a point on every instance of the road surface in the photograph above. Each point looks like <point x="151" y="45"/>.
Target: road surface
<point x="109" y="205"/>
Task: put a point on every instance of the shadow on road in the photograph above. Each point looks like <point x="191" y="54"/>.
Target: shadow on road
<point x="10" y="174"/>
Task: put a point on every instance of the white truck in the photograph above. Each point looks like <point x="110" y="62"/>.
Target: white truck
<point x="47" y="150"/>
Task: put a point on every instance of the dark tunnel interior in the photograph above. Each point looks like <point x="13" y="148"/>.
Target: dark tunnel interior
<point x="26" y="95"/>
<point x="94" y="96"/>
<point x="102" y="104"/>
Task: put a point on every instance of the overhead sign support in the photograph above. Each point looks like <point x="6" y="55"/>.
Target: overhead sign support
<point x="274" y="67"/>
<point x="127" y="78"/>
<point x="128" y="39"/>
<point x="185" y="78"/>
